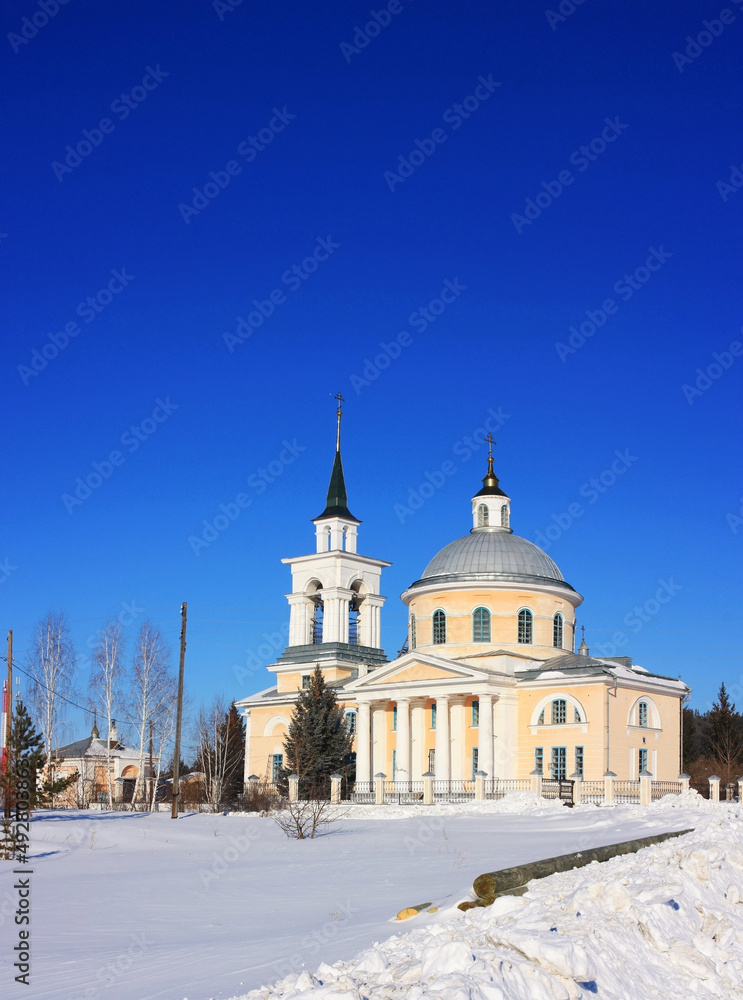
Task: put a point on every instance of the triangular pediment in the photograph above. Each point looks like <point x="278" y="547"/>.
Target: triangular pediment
<point x="415" y="668"/>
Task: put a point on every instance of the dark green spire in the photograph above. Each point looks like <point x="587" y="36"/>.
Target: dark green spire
<point x="336" y="503"/>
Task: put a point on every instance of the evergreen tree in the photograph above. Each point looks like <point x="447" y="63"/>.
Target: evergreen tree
<point x="693" y="726"/>
<point x="723" y="737"/>
<point x="234" y="737"/>
<point x="26" y="747"/>
<point x="317" y="744"/>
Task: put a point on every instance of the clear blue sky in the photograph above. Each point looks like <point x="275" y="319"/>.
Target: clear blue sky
<point x="532" y="233"/>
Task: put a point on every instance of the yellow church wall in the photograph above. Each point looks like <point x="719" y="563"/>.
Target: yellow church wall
<point x="288" y="682"/>
<point x="627" y="739"/>
<point x="504" y="607"/>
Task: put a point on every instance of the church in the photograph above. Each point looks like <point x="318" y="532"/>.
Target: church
<point x="489" y="680"/>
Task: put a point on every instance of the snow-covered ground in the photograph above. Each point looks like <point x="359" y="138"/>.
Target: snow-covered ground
<point x="132" y="906"/>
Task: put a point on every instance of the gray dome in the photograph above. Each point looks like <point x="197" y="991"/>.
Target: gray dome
<point x="492" y="555"/>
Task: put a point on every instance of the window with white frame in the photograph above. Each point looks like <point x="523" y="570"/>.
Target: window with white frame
<point x="475" y="759"/>
<point x="394" y="718"/>
<point x="439" y="628"/>
<point x="539" y="758"/>
<point x="306" y="678"/>
<point x="482" y="516"/>
<point x="475" y="711"/>
<point x="642" y="759"/>
<point x="643" y="714"/>
<point x="579" y="761"/>
<point x="504" y="516"/>
<point x="559" y="712"/>
<point x="350" y="721"/>
<point x="432" y="761"/>
<point x="526" y="626"/>
<point x="433" y="716"/>
<point x="559" y="763"/>
<point x="413" y="632"/>
<point x="557" y="631"/>
<point x="481" y="625"/>
<point x="277" y="764"/>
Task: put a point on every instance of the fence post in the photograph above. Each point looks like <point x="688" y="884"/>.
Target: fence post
<point x="714" y="788"/>
<point x="335" y="788"/>
<point x="646" y="787"/>
<point x="684" y="779"/>
<point x="480" y="777"/>
<point x="609" y="778"/>
<point x="536" y="782"/>
<point x="740" y="789"/>
<point x="293" y="787"/>
<point x="379" y="780"/>
<point x="428" y="788"/>
<point x="577" y="780"/>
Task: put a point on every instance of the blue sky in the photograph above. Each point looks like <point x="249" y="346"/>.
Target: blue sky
<point x="324" y="180"/>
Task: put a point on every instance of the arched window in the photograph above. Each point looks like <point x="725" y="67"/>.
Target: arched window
<point x="481" y="625"/>
<point x="413" y="632"/>
<point x="345" y="538"/>
<point x="328" y="538"/>
<point x="483" y="516"/>
<point x="526" y="626"/>
<point x="643" y="714"/>
<point x="317" y="620"/>
<point x="559" y="712"/>
<point x="439" y="628"/>
<point x="557" y="630"/>
<point x="504" y="516"/>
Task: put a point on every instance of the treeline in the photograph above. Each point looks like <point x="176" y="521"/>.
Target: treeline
<point x="713" y="741"/>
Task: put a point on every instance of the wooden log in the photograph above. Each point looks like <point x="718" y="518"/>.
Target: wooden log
<point x="412" y="911"/>
<point x="493" y="884"/>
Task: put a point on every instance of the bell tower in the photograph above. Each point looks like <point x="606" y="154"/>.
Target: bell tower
<point x="335" y="603"/>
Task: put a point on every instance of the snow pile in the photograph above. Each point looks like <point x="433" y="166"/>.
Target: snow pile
<point x="667" y="921"/>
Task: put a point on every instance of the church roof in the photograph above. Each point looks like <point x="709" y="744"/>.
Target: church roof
<point x="336" y="503"/>
<point x="492" y="555"/>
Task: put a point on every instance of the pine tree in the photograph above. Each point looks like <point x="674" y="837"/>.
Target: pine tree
<point x="723" y="738"/>
<point x="317" y="744"/>
<point x="234" y="736"/>
<point x="27" y="752"/>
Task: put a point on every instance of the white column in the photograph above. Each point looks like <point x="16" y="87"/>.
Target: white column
<point x="485" y="736"/>
<point x="363" y="742"/>
<point x="379" y="738"/>
<point x="460" y="768"/>
<point x="443" y="739"/>
<point x="506" y="735"/>
<point x="299" y="605"/>
<point x="402" y="746"/>
<point x="418" y="755"/>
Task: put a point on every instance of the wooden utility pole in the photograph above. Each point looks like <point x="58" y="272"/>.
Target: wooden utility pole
<point x="8" y="727"/>
<point x="179" y="714"/>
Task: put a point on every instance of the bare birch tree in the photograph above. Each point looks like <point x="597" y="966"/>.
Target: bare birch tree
<point x="153" y="693"/>
<point x="51" y="666"/>
<point x="105" y="683"/>
<point x="220" y="746"/>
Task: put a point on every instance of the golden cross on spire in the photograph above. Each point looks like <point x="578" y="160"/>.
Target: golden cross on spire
<point x="491" y="441"/>
<point x="339" y="414"/>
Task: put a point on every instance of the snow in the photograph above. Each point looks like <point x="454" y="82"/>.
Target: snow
<point x="137" y="907"/>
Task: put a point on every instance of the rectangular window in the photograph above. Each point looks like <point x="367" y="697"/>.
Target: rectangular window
<point x="306" y="681"/>
<point x="559" y="712"/>
<point x="642" y="714"/>
<point x="539" y="759"/>
<point x="476" y="712"/>
<point x="394" y="718"/>
<point x="350" y="720"/>
<point x="643" y="759"/>
<point x="579" y="761"/>
<point x="433" y="716"/>
<point x="559" y="763"/>
<point x="432" y="761"/>
<point x="394" y="763"/>
<point x="277" y="763"/>
<point x="475" y="757"/>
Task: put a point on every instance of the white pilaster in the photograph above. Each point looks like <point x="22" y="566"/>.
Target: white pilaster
<point x="246" y="769"/>
<point x="506" y="735"/>
<point x="459" y="764"/>
<point x="379" y="738"/>
<point x="402" y="746"/>
<point x="418" y="756"/>
<point x="485" y="737"/>
<point x="363" y="742"/>
<point x="443" y="739"/>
